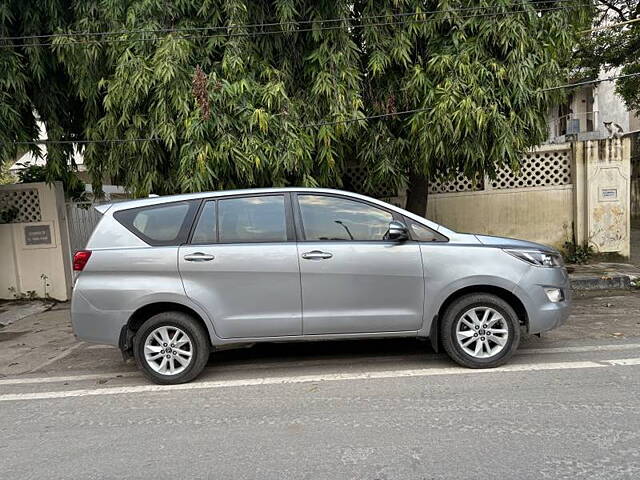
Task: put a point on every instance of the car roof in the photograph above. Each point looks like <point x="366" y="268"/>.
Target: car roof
<point x="157" y="200"/>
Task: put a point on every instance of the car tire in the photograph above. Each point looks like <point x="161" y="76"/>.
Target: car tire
<point x="462" y="331"/>
<point x="176" y="363"/>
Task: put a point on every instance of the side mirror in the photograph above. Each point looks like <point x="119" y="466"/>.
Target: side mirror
<point x="397" y="231"/>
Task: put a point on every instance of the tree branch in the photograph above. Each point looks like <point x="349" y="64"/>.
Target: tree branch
<point x="615" y="8"/>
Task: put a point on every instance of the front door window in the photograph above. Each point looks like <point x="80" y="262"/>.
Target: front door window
<point x="333" y="218"/>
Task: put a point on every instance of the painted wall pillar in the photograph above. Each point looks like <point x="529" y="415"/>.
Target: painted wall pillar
<point x="602" y="171"/>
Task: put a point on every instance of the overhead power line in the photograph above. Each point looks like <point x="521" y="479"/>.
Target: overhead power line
<point x="70" y="142"/>
<point x="157" y="139"/>
<point x="590" y="82"/>
<point x="269" y="32"/>
<point x="404" y="19"/>
<point x="310" y="125"/>
<point x="277" y="24"/>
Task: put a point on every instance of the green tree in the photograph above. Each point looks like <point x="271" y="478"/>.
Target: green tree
<point x="34" y="85"/>
<point x="480" y="80"/>
<point x="614" y="43"/>
<point x="228" y="105"/>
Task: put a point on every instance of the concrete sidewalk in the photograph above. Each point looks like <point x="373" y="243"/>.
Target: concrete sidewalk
<point x="12" y="311"/>
<point x="604" y="276"/>
<point x="36" y="341"/>
<point x="44" y="343"/>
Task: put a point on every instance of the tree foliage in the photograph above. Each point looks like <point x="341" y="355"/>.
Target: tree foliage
<point x="34" y="84"/>
<point x="615" y="47"/>
<point x="261" y="106"/>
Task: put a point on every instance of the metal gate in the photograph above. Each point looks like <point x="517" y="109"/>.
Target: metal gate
<point x="82" y="219"/>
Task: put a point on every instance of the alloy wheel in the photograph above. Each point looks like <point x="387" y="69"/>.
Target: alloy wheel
<point x="168" y="350"/>
<point x="482" y="332"/>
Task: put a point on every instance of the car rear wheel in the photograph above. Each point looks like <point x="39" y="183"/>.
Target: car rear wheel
<point x="171" y="348"/>
<point x="480" y="331"/>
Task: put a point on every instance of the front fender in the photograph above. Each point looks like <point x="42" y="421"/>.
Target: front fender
<point x="433" y="305"/>
<point x="449" y="268"/>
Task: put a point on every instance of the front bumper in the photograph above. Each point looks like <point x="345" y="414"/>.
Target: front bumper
<point x="543" y="314"/>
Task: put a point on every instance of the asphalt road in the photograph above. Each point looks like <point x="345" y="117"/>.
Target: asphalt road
<point x="372" y="410"/>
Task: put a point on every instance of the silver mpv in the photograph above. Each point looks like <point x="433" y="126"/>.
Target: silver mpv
<point x="171" y="279"/>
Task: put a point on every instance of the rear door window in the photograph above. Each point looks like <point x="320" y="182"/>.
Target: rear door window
<point x="165" y="224"/>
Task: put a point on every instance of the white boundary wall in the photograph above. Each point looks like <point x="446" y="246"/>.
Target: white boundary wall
<point x="37" y="244"/>
<point x="563" y="193"/>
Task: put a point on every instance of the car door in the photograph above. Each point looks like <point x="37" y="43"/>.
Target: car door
<point x="241" y="265"/>
<point x="353" y="279"/>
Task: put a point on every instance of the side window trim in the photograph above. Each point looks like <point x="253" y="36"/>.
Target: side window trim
<point x="297" y="216"/>
<point x="183" y="232"/>
<point x="288" y="213"/>
<point x="289" y="217"/>
<point x="299" y="224"/>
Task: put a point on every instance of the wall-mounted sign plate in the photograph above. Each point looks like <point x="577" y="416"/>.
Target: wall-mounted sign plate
<point x="37" y="234"/>
<point x="608" y="194"/>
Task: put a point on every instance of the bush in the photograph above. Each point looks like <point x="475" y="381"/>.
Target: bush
<point x="8" y="214"/>
<point x="577" y="254"/>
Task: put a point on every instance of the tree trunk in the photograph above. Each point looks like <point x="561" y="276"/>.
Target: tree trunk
<point x="417" y="194"/>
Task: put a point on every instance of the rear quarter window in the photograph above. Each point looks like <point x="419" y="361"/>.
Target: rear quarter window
<point x="165" y="224"/>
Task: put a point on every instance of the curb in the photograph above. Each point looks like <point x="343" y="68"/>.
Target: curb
<point x="605" y="282"/>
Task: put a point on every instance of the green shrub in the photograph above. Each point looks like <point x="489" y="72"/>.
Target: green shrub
<point x="577" y="254"/>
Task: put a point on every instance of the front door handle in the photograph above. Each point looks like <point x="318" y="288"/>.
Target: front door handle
<point x="316" y="255"/>
<point x="198" y="257"/>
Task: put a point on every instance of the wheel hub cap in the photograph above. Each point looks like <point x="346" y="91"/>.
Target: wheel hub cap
<point x="482" y="332"/>
<point x="164" y="359"/>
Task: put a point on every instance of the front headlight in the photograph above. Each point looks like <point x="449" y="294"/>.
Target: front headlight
<point x="537" y="257"/>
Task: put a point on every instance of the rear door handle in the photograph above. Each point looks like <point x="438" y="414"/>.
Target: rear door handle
<point x="316" y="255"/>
<point x="198" y="257"/>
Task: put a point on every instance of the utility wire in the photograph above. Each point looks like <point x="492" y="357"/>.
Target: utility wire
<point x="371" y="117"/>
<point x="68" y="142"/>
<point x="310" y="125"/>
<point x="590" y="82"/>
<point x="93" y="42"/>
<point x="278" y="24"/>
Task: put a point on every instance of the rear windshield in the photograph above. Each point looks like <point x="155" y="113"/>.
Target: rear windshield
<point x="166" y="224"/>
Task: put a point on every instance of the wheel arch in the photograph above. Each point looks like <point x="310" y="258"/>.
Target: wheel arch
<point x="502" y="293"/>
<point x="143" y="313"/>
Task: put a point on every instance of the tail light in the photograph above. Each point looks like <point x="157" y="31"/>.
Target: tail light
<point x="80" y="259"/>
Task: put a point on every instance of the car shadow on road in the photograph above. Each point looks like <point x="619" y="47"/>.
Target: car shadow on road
<point x="347" y="350"/>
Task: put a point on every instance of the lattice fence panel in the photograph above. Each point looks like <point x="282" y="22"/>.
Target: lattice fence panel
<point x="461" y="183"/>
<point x="538" y="169"/>
<point x="26" y="203"/>
<point x="355" y="177"/>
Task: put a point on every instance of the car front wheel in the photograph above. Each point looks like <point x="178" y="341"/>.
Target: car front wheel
<point x="171" y="348"/>
<point x="480" y="331"/>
